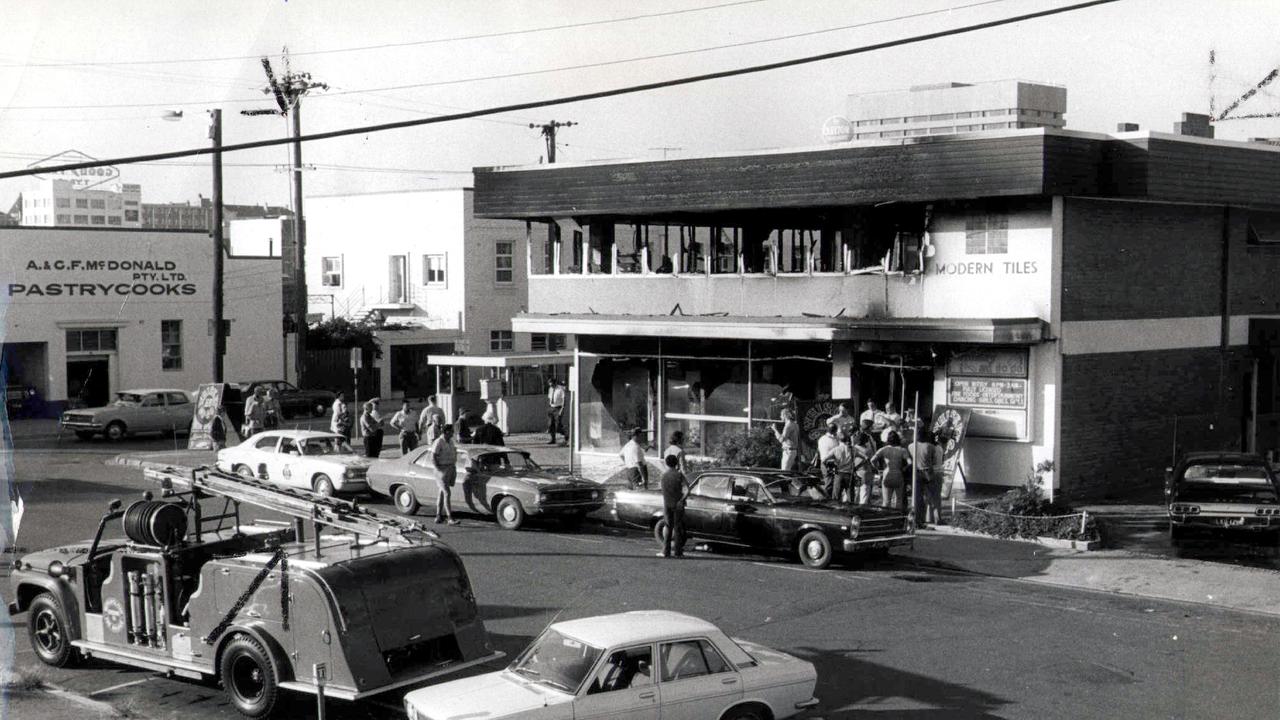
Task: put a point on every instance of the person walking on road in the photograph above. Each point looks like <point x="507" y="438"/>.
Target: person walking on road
<point x="555" y="410"/>
<point x="340" y="423"/>
<point x="633" y="460"/>
<point x="371" y="429"/>
<point x="894" y="463"/>
<point x="405" y="423"/>
<point x="255" y="412"/>
<point x="674" y="488"/>
<point x="444" y="455"/>
<point x="789" y="438"/>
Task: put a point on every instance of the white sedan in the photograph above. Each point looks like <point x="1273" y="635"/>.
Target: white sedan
<point x="318" y="461"/>
<point x="604" y="667"/>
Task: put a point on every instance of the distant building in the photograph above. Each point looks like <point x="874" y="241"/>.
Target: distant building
<point x="957" y="108"/>
<point x="55" y="202"/>
<point x="188" y="216"/>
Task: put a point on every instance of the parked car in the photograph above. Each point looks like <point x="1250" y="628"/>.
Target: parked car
<point x="1225" y="495"/>
<point x="771" y="510"/>
<point x="293" y="402"/>
<point x="164" y="410"/>
<point x="640" y="665"/>
<point x="492" y="480"/>
<point x="322" y="462"/>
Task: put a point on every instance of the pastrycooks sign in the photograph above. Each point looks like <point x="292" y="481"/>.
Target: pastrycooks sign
<point x="157" y="278"/>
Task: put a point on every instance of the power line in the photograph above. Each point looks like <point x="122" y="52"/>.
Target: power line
<point x="544" y="71"/>
<point x="384" y="46"/>
<point x="582" y="97"/>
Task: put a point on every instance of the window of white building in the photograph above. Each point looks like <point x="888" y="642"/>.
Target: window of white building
<point x="331" y="271"/>
<point x="504" y="262"/>
<point x="433" y="269"/>
<point x="171" y="344"/>
<point x="500" y="340"/>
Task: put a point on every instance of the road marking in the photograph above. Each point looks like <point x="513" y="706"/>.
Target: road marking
<point x="118" y="687"/>
<point x="578" y="538"/>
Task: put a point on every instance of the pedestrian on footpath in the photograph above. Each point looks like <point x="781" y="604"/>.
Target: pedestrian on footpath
<point x="675" y="486"/>
<point x="555" y="410"/>
<point x="841" y="456"/>
<point x="843" y="419"/>
<point x="371" y="428"/>
<point x="405" y="423"/>
<point x="489" y="433"/>
<point x="633" y="460"/>
<point x="444" y="455"/>
<point x="789" y="438"/>
<point x="894" y="463"/>
<point x="461" y="431"/>
<point x="341" y="423"/>
<point x="826" y="444"/>
<point x="864" y="448"/>
<point x="928" y="458"/>
<point x="675" y="446"/>
<point x="872" y="418"/>
<point x="892" y="422"/>
<point x="432" y="415"/>
<point x="274" y="413"/>
<point x="255" y="412"/>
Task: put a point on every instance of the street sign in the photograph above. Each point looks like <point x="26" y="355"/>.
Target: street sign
<point x="357" y="358"/>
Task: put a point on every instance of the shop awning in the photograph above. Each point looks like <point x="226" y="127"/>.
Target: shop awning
<point x="1004" y="331"/>
<point x="503" y="360"/>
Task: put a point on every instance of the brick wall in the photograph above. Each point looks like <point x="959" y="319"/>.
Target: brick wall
<point x="1118" y="414"/>
<point x="1124" y="260"/>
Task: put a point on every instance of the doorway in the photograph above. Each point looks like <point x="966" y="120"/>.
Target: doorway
<point x="88" y="381"/>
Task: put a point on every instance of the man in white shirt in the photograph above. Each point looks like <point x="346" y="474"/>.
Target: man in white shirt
<point x="404" y="423"/>
<point x="843" y="420"/>
<point x="633" y="459"/>
<point x="873" y="415"/>
<point x="431" y="420"/>
<point x="555" y="410"/>
<point x="827" y="443"/>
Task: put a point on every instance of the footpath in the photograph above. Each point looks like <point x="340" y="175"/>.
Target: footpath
<point x="1140" y="569"/>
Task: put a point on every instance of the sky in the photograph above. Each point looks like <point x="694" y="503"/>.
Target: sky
<point x="97" y="77"/>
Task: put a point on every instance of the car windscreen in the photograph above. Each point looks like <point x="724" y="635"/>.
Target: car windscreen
<point x="557" y="660"/>
<point x="327" y="446"/>
<point x="518" y="462"/>
<point x="1226" y="483"/>
<point x="126" y="398"/>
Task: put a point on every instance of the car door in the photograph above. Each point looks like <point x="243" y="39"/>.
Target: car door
<point x="471" y="492"/>
<point x="180" y="409"/>
<point x="262" y="457"/>
<point x="288" y="465"/>
<point x="151" y="415"/>
<point x="706" y="510"/>
<point x="751" y="521"/>
<point x="422" y="474"/>
<point x="697" y="683"/>
<point x="622" y="687"/>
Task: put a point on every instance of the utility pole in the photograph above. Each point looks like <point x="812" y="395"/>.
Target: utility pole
<point x="549" y="132"/>
<point x="288" y="92"/>
<point x="219" y="248"/>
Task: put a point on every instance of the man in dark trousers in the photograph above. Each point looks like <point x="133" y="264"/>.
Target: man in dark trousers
<point x="674" y="489"/>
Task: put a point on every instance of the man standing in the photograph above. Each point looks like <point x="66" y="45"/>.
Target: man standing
<point x="274" y="413"/>
<point x="371" y="429"/>
<point x="255" y="412"/>
<point x="404" y="422"/>
<point x="872" y="415"/>
<point x="341" y="421"/>
<point x="555" y="410"/>
<point x="894" y="463"/>
<point x="843" y="420"/>
<point x="633" y="460"/>
<point x="431" y="415"/>
<point x="826" y="444"/>
<point x="841" y="456"/>
<point x="461" y="431"/>
<point x="674" y="488"/>
<point x="489" y="433"/>
<point x="789" y="438"/>
<point x="928" y="459"/>
<point x="445" y="458"/>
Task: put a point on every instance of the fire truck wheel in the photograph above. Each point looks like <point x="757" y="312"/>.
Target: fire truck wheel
<point x="406" y="500"/>
<point x="47" y="628"/>
<point x="248" y="676"/>
<point x="322" y="485"/>
<point x="510" y="513"/>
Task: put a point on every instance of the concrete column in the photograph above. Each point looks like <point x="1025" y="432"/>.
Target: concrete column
<point x="842" y="383"/>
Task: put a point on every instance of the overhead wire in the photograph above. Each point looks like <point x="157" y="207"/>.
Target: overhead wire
<point x="576" y="98"/>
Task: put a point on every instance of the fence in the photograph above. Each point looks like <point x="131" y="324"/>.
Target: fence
<point x="1068" y="526"/>
<point x="331" y="370"/>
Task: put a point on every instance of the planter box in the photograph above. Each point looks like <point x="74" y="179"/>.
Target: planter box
<point x="1045" y="541"/>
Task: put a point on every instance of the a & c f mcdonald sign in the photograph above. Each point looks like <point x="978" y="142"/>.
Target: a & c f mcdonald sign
<point x="82" y="178"/>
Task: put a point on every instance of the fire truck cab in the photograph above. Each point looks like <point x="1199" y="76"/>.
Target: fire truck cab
<point x="377" y="606"/>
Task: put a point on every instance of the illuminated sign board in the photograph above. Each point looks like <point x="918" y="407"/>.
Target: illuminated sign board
<point x="82" y="178"/>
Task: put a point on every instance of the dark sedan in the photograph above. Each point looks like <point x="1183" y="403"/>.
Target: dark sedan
<point x="1222" y="495"/>
<point x="492" y="480"/>
<point x="293" y="401"/>
<point x="771" y="510"/>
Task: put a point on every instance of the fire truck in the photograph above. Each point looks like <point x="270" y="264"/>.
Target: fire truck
<point x="370" y="603"/>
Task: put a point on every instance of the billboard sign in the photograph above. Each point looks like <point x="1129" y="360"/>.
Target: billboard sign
<point x="81" y="178"/>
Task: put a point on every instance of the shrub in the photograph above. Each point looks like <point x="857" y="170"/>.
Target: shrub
<point x="1024" y="512"/>
<point x="342" y="333"/>
<point x="757" y="448"/>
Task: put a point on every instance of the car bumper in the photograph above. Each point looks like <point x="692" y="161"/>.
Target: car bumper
<point x="352" y="485"/>
<point x="14" y="609"/>
<point x="81" y="425"/>
<point x="560" y="508"/>
<point x="874" y="543"/>
<point x="1218" y="524"/>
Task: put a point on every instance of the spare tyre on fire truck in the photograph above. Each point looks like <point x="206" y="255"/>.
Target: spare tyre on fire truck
<point x="257" y="606"/>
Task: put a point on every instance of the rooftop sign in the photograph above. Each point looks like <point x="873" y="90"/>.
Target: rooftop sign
<point x="82" y="178"/>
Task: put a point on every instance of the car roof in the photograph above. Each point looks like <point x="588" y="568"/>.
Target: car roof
<point x="1223" y="456"/>
<point x="473" y="449"/>
<point x="606" y="631"/>
<point x="144" y="391"/>
<point x="300" y="434"/>
<point x="766" y="474"/>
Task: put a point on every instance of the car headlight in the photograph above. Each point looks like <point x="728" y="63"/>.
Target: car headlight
<point x="542" y="496"/>
<point x="595" y="494"/>
<point x="855" y="524"/>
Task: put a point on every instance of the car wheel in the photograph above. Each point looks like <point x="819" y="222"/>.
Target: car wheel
<point x="660" y="531"/>
<point x="322" y="485"/>
<point x="243" y="471"/>
<point x="47" y="629"/>
<point x="406" y="500"/>
<point x="115" y="431"/>
<point x="84" y="435"/>
<point x="318" y="409"/>
<point x="744" y="713"/>
<point x="248" y="676"/>
<point x="815" y="550"/>
<point x="510" y="514"/>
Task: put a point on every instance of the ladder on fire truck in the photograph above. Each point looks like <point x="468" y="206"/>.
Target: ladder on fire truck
<point x="344" y="515"/>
